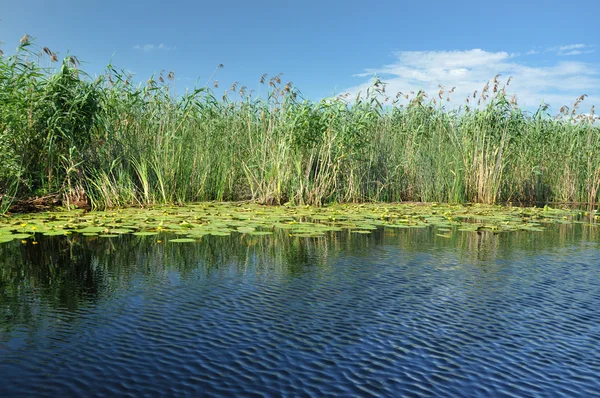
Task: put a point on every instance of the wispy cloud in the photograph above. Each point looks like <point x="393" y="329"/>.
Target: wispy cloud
<point x="152" y="47"/>
<point x="577" y="52"/>
<point x="566" y="50"/>
<point x="572" y="49"/>
<point x="556" y="84"/>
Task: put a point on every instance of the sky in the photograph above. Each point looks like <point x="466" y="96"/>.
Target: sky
<point x="550" y="48"/>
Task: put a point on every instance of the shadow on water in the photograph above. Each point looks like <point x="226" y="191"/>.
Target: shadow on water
<point x="70" y="272"/>
<point x="336" y="308"/>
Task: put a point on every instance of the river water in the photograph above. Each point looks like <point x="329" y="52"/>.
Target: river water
<point x="393" y="313"/>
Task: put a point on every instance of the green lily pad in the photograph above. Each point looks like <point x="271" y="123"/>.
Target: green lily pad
<point x="91" y="230"/>
<point x="196" y="220"/>
<point x="21" y="236"/>
<point x="56" y="233"/>
<point x="120" y="231"/>
<point x="219" y="233"/>
<point x="366" y="227"/>
<point x="260" y="233"/>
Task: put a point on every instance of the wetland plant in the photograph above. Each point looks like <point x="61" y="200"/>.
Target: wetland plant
<point x="114" y="143"/>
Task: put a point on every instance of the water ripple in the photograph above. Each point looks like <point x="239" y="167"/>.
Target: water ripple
<point x="383" y="322"/>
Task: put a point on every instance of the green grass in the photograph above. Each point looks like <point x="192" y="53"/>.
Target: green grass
<point x="62" y="133"/>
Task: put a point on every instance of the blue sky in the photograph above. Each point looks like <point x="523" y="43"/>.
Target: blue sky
<point x="550" y="48"/>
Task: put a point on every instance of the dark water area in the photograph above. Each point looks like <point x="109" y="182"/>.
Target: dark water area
<point x="400" y="312"/>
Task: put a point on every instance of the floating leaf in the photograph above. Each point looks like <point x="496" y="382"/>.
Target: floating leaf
<point x="223" y="218"/>
<point x="56" y="233"/>
<point x="120" y="231"/>
<point x="219" y="233"/>
<point x="91" y="230"/>
<point x="366" y="226"/>
<point x="145" y="233"/>
<point x="21" y="236"/>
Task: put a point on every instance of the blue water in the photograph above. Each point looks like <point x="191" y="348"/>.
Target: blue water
<point x="394" y="313"/>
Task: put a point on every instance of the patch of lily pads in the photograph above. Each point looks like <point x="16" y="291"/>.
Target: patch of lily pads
<point x="192" y="222"/>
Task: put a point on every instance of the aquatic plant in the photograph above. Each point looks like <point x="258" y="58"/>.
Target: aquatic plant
<point x="107" y="143"/>
<point x="185" y="224"/>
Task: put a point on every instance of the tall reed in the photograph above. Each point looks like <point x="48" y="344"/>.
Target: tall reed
<point x="114" y="143"/>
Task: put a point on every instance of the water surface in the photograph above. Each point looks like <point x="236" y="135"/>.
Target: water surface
<point x="393" y="313"/>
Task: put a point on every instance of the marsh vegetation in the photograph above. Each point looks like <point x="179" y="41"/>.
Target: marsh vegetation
<point x="107" y="142"/>
<point x="340" y="290"/>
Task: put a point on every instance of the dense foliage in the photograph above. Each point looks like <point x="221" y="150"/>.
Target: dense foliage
<point x="62" y="133"/>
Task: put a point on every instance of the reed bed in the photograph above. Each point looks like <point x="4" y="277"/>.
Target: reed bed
<point x="107" y="142"/>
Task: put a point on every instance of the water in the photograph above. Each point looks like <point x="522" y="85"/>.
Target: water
<point x="394" y="313"/>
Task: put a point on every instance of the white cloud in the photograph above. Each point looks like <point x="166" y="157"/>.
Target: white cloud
<point x="572" y="49"/>
<point x="153" y="47"/>
<point x="556" y="84"/>
<point x="577" y="52"/>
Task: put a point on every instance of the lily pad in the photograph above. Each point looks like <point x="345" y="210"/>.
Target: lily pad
<point x="120" y="231"/>
<point x="220" y="233"/>
<point x="21" y="236"/>
<point x="92" y="230"/>
<point x="56" y="233"/>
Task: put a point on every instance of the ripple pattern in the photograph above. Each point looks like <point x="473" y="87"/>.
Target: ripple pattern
<point x="385" y="323"/>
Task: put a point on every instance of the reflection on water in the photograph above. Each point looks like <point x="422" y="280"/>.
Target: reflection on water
<point x="396" y="312"/>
